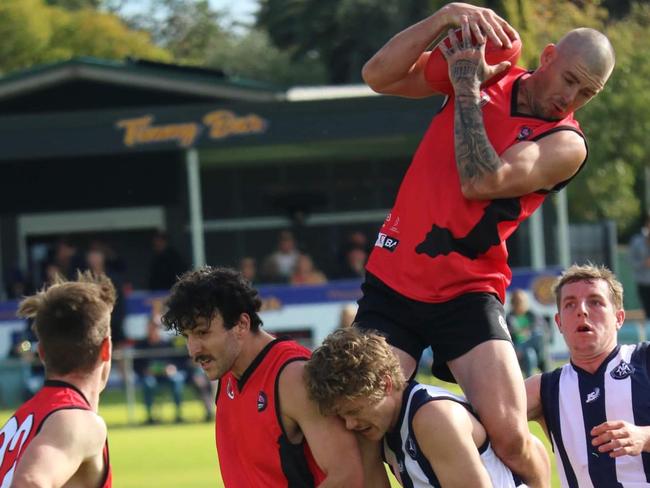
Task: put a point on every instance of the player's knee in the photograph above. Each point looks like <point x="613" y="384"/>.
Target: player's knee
<point x="511" y="444"/>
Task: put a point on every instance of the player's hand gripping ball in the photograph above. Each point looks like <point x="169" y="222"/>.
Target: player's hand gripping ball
<point x="436" y="70"/>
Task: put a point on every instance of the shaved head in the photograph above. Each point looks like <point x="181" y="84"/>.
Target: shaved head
<point x="591" y="48"/>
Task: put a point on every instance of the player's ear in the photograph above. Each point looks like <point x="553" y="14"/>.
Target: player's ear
<point x="620" y="318"/>
<point x="106" y="349"/>
<point x="243" y="323"/>
<point x="388" y="385"/>
<point x="548" y="54"/>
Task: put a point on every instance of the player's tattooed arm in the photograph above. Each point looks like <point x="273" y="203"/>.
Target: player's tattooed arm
<point x="475" y="156"/>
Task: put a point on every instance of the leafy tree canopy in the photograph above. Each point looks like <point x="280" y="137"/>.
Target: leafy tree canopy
<point x="34" y="33"/>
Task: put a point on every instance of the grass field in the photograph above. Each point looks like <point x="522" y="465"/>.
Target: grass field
<point x="169" y="455"/>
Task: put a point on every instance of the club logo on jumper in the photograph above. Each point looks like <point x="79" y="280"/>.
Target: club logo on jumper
<point x="261" y="401"/>
<point x="593" y="396"/>
<point x="504" y="325"/>
<point x="622" y="371"/>
<point x="386" y="242"/>
<point x="229" y="390"/>
<point x="484" y="100"/>
<point x="524" y="133"/>
<point x="410" y="447"/>
<point x="393" y="227"/>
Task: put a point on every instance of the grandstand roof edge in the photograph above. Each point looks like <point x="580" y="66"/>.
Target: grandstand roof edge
<point x="137" y="72"/>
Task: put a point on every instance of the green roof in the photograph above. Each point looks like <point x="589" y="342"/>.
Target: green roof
<point x="190" y="80"/>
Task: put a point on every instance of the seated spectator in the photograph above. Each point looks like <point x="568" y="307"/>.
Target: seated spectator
<point x="354" y="264"/>
<point x="248" y="268"/>
<point x="166" y="263"/>
<point x="195" y="377"/>
<point x="96" y="261"/>
<point x="348" y="313"/>
<point x="18" y="285"/>
<point x="23" y="347"/>
<point x="353" y="256"/>
<point x="50" y="272"/>
<point x="66" y="258"/>
<point x="530" y="334"/>
<point x="305" y="273"/>
<point x="158" y="370"/>
<point x="280" y="264"/>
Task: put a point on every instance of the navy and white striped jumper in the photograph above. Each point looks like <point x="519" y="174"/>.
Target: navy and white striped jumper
<point x="574" y="401"/>
<point x="402" y="452"/>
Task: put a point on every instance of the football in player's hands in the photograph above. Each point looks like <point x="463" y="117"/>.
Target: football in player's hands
<point x="436" y="70"/>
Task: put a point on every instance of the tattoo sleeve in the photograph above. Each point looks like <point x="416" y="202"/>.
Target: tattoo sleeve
<point x="475" y="156"/>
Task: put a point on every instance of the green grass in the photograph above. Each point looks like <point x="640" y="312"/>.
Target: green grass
<point x="169" y="455"/>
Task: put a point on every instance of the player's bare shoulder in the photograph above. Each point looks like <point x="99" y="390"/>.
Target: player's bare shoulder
<point x="83" y="428"/>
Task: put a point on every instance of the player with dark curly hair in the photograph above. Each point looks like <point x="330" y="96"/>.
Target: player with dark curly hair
<point x="269" y="433"/>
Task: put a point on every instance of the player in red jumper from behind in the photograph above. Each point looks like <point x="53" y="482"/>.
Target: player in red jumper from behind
<point x="269" y="433"/>
<point x="56" y="438"/>
<point x="438" y="272"/>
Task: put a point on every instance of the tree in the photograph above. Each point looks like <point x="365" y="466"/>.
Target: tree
<point x="343" y="34"/>
<point x="196" y="34"/>
<point x="616" y="121"/>
<point x="617" y="124"/>
<point x="254" y="57"/>
<point x="35" y="33"/>
<point x="186" y="28"/>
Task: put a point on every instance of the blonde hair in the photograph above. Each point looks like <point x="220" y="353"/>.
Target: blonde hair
<point x="590" y="272"/>
<point x="71" y="320"/>
<point x="351" y="364"/>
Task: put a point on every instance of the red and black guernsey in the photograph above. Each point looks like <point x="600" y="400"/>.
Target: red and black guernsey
<point x="28" y="420"/>
<point x="436" y="244"/>
<point x="251" y="442"/>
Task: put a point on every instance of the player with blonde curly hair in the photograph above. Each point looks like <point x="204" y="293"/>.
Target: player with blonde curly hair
<point x="431" y="437"/>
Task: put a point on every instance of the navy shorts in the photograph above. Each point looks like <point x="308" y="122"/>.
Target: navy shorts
<point x="451" y="328"/>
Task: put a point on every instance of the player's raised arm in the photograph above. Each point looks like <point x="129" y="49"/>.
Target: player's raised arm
<point x="524" y="168"/>
<point x="398" y="67"/>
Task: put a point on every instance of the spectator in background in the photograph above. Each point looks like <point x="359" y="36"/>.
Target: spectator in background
<point x="354" y="263"/>
<point x="640" y="257"/>
<point x="248" y="268"/>
<point x="348" y="312"/>
<point x="23" y="347"/>
<point x="530" y="334"/>
<point x="50" y="272"/>
<point x="156" y="370"/>
<point x="353" y="256"/>
<point x="96" y="262"/>
<point x="66" y="258"/>
<point x="305" y="273"/>
<point x="18" y="285"/>
<point x="280" y="264"/>
<point x="166" y="264"/>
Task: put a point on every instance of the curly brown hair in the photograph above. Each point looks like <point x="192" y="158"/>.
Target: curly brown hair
<point x="590" y="272"/>
<point x="206" y="291"/>
<point x="351" y="364"/>
<point x="71" y="320"/>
